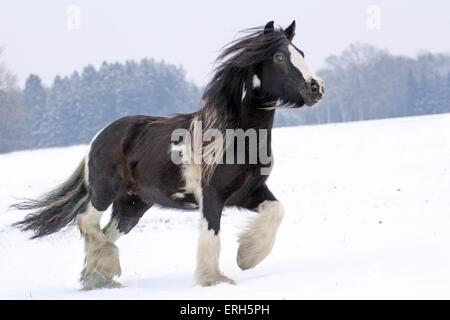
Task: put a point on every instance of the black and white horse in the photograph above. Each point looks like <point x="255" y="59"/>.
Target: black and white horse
<point x="131" y="163"/>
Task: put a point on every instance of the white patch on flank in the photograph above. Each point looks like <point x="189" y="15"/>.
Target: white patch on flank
<point x="244" y="93"/>
<point x="102" y="256"/>
<point x="299" y="62"/>
<point x="208" y="272"/>
<point x="257" y="241"/>
<point x="256" y="81"/>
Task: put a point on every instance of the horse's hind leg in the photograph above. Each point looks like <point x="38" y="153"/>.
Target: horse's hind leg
<point x="102" y="256"/>
<point x="127" y="210"/>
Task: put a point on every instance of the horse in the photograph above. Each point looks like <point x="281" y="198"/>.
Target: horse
<point x="131" y="163"/>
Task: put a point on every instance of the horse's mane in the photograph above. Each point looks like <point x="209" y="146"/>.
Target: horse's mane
<point x="237" y="60"/>
<point x="223" y="95"/>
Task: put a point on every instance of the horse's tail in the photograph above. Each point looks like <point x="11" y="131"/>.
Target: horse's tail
<point x="58" y="208"/>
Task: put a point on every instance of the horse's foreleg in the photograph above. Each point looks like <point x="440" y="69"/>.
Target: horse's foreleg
<point x="257" y="241"/>
<point x="208" y="272"/>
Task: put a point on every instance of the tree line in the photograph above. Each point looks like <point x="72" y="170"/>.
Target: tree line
<point x="74" y="108"/>
<point x="362" y="83"/>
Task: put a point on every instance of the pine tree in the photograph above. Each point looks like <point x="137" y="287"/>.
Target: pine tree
<point x="35" y="98"/>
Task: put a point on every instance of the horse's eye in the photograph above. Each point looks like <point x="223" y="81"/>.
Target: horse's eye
<point x="279" y="57"/>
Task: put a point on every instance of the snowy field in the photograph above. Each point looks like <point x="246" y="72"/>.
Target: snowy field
<point x="367" y="216"/>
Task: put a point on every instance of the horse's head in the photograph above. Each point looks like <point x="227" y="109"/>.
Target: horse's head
<point x="264" y="65"/>
<point x="283" y="76"/>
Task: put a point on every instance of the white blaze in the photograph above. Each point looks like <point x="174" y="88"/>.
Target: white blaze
<point x="299" y="62"/>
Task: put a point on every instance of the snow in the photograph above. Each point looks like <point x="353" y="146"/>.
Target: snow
<point x="367" y="216"/>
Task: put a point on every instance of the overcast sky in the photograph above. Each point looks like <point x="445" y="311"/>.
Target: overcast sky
<point x="49" y="37"/>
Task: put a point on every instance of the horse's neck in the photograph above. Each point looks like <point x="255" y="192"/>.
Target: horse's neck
<point x="253" y="115"/>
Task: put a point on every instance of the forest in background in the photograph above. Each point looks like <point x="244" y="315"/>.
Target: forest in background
<point x="362" y="83"/>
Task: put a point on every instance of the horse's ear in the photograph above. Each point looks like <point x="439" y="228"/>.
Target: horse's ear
<point x="290" y="31"/>
<point x="269" y="27"/>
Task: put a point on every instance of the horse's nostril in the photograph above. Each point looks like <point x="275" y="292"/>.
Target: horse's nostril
<point x="314" y="86"/>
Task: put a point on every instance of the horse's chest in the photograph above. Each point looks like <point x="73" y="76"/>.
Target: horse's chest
<point x="235" y="181"/>
<point x="227" y="180"/>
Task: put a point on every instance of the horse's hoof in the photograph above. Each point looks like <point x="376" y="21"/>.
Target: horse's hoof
<point x="245" y="263"/>
<point x="95" y="280"/>
<point x="257" y="241"/>
<point x="212" y="280"/>
<point x="105" y="260"/>
<point x="253" y="250"/>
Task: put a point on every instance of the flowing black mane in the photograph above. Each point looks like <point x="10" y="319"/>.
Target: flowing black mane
<point x="237" y="61"/>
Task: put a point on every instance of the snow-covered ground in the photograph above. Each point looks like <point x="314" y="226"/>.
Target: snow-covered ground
<point x="367" y="216"/>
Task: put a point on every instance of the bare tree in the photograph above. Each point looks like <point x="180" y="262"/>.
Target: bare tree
<point x="8" y="80"/>
<point x="12" y="111"/>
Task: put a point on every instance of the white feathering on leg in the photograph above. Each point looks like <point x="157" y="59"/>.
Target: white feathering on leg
<point x="257" y="241"/>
